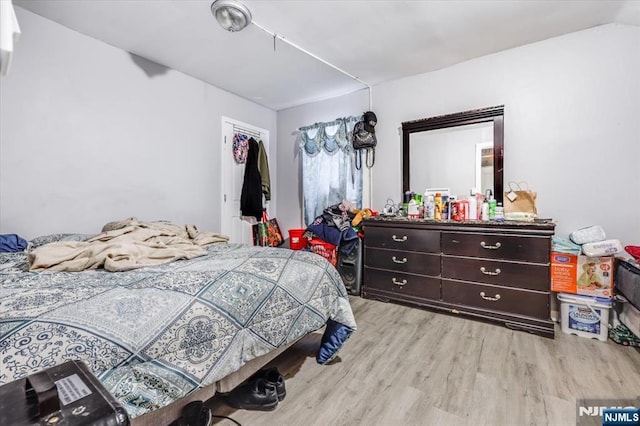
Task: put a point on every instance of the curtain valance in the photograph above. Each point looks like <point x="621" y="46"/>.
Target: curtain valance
<point x="332" y="136"/>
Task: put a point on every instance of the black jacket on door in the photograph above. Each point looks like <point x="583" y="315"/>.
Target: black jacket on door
<point x="251" y="197"/>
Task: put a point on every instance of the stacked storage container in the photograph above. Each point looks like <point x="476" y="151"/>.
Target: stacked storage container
<point x="585" y="282"/>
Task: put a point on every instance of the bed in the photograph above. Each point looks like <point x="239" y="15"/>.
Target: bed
<point x="160" y="334"/>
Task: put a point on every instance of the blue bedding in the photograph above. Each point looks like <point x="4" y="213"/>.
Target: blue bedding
<point x="155" y="334"/>
<point x="11" y="243"/>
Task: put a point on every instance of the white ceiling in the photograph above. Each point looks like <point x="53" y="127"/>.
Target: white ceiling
<point x="375" y="41"/>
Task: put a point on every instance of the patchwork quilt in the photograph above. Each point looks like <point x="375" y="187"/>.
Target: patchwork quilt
<point x="155" y="334"/>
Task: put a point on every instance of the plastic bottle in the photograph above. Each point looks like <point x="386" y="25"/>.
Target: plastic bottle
<point x="499" y="213"/>
<point x="492" y="208"/>
<point x="412" y="209"/>
<point x="472" y="214"/>
<point x="485" y="210"/>
<point x="445" y="207"/>
<point x="438" y="209"/>
<point x="453" y="208"/>
<point x="479" y="200"/>
<point x="430" y="207"/>
<point x="464" y="210"/>
<point x="488" y="194"/>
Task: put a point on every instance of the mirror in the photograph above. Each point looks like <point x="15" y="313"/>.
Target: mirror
<point x="456" y="151"/>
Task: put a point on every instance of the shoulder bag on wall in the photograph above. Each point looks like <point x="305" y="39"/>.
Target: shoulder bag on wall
<point x="364" y="138"/>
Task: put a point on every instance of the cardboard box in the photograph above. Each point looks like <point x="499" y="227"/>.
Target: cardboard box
<point x="589" y="276"/>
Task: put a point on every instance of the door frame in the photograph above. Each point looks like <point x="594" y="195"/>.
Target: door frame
<point x="227" y="124"/>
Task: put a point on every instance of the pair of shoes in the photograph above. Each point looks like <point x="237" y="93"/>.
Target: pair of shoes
<point x="194" y="414"/>
<point x="256" y="394"/>
<point x="273" y="377"/>
<point x="262" y="391"/>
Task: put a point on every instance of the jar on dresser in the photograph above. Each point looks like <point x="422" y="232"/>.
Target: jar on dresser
<point x="498" y="271"/>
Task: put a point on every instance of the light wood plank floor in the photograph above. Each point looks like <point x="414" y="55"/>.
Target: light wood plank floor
<point x="408" y="366"/>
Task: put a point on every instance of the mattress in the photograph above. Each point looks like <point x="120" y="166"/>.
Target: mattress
<point x="154" y="335"/>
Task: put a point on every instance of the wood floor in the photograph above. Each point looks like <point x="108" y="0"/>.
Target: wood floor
<point x="407" y="366"/>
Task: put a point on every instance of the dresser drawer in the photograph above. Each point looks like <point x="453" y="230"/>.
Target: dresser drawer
<point x="403" y="261"/>
<point x="402" y="239"/>
<point x="511" y="274"/>
<point x="496" y="246"/>
<point x="497" y="298"/>
<point x="401" y="283"/>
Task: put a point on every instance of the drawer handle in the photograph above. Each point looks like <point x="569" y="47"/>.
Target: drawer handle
<point x="401" y="240"/>
<point x="393" y="280"/>
<point x="490" y="247"/>
<point x="484" y="271"/>
<point x="485" y="297"/>
<point x="395" y="259"/>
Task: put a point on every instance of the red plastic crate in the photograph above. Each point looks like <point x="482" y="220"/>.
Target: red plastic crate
<point x="324" y="249"/>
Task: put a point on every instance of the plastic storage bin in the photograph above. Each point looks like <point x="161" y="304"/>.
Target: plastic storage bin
<point x="296" y="240"/>
<point x="324" y="249"/>
<point x="627" y="279"/>
<point x="585" y="316"/>
<point x="630" y="317"/>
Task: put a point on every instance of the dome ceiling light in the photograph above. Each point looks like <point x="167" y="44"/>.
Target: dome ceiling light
<point x="231" y="14"/>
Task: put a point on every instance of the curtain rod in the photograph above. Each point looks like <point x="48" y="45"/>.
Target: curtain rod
<point x="303" y="50"/>
<point x="331" y="123"/>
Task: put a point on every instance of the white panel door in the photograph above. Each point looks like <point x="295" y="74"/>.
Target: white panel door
<point x="236" y="226"/>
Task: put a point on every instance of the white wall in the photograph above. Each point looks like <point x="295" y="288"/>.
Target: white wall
<point x="87" y="137"/>
<point x="572" y="124"/>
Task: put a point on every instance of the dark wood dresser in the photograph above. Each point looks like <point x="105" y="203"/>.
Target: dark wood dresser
<point x="488" y="270"/>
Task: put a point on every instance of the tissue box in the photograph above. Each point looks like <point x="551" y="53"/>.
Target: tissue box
<point x="589" y="276"/>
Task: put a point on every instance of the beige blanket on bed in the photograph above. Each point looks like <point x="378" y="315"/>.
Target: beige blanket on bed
<point x="125" y="245"/>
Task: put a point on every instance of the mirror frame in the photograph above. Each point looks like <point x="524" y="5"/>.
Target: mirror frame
<point x="493" y="114"/>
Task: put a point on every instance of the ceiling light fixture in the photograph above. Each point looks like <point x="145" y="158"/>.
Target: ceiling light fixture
<point x="231" y="14"/>
<point x="234" y="16"/>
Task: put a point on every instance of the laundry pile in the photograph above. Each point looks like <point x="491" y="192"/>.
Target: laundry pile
<point x="338" y="225"/>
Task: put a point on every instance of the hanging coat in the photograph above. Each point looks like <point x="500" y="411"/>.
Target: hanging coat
<point x="263" y="168"/>
<point x="251" y="196"/>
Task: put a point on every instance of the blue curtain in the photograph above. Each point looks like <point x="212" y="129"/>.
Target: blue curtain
<point x="329" y="175"/>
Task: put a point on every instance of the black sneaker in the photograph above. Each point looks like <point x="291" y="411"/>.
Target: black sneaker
<point x="194" y="414"/>
<point x="255" y="394"/>
<point x="272" y="376"/>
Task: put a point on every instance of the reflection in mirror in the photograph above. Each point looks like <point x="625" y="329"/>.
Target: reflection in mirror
<point x="458" y="151"/>
<point x="458" y="158"/>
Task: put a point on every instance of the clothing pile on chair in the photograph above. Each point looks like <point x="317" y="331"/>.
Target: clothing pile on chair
<point x="336" y="226"/>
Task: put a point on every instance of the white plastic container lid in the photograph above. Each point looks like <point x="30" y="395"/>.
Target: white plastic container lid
<point x="598" y="302"/>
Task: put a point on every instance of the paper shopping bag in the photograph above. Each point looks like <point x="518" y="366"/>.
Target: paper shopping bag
<point x="519" y="199"/>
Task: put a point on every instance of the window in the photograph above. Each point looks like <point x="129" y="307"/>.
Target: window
<point x="329" y="175"/>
